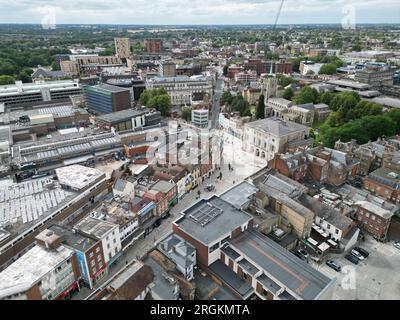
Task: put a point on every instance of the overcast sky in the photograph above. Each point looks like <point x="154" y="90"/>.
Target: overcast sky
<point x="199" y="11"/>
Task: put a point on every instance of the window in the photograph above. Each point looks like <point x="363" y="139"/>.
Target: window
<point x="97" y="249"/>
<point x="91" y="255"/>
<point x="225" y="240"/>
<point x="214" y="247"/>
<point x="373" y="217"/>
<point x="99" y="258"/>
<point x="337" y="231"/>
<point x="328" y="226"/>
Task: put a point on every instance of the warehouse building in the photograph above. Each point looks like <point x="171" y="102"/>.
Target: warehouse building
<point x="29" y="207"/>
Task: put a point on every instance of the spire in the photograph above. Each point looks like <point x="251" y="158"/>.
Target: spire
<point x="270" y="69"/>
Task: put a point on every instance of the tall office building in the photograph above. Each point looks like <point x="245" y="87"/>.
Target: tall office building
<point x="122" y="48"/>
<point x="153" y="45"/>
<point x="105" y="98"/>
<point x="167" y="69"/>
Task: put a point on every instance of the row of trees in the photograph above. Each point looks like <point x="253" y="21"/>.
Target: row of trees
<point x="353" y="118"/>
<point x="156" y="98"/>
<point x="367" y="128"/>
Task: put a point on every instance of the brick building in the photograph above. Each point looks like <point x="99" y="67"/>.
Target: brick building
<point x="244" y="261"/>
<point x="372" y="218"/>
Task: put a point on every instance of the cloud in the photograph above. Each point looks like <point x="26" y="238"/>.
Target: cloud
<point x="197" y="11"/>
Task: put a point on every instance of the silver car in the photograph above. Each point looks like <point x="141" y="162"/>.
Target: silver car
<point x="357" y="254"/>
<point x="396" y="244"/>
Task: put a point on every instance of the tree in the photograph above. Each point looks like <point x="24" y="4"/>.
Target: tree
<point x="145" y="97"/>
<point x="163" y="104"/>
<point x="246" y="112"/>
<point x="226" y="98"/>
<point x="24" y="77"/>
<point x="260" y="114"/>
<point x="186" y="113"/>
<point x="288" y="93"/>
<point x="225" y="70"/>
<point x="306" y="95"/>
<point x="326" y="97"/>
<point x="6" y="80"/>
<point x="329" y="68"/>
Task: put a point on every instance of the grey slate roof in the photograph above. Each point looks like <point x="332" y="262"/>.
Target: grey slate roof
<point x="281" y="265"/>
<point x="231" y="278"/>
<point x="276" y="127"/>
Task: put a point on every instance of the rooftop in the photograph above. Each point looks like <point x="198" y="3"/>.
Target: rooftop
<point x="108" y="88"/>
<point x="77" y="177"/>
<point x="240" y="194"/>
<point x="21" y="88"/>
<point x="163" y="186"/>
<point x="371" y="207"/>
<point x="209" y="219"/>
<point x="73" y="239"/>
<point x="386" y="176"/>
<point x="31" y="268"/>
<point x="276" y="127"/>
<point x="95" y="227"/>
<point x="283" y="267"/>
<point x="31" y="200"/>
<point x="119" y="116"/>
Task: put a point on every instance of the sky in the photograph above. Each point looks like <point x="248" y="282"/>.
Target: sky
<point x="176" y="12"/>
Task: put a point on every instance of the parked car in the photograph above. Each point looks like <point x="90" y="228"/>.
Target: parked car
<point x="397" y="244"/>
<point x="357" y="254"/>
<point x="363" y="252"/>
<point x="209" y="187"/>
<point x="352" y="258"/>
<point x="302" y="254"/>
<point x="335" y="266"/>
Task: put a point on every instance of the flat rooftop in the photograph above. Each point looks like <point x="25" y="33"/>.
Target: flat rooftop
<point x="95" y="227"/>
<point x="163" y="186"/>
<point x="210" y="219"/>
<point x="280" y="265"/>
<point x="72" y="239"/>
<point x="31" y="268"/>
<point x="123" y="115"/>
<point x="240" y="194"/>
<point x="24" y="88"/>
<point x="107" y="87"/>
<point x="77" y="177"/>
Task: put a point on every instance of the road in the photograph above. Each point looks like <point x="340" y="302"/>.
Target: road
<point x="244" y="164"/>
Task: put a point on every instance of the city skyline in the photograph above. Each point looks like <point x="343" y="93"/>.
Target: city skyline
<point x="220" y="12"/>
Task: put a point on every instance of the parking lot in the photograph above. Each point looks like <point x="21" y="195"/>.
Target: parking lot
<point x="375" y="278"/>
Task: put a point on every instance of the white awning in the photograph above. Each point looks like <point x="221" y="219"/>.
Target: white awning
<point x="331" y="242"/>
<point x="323" y="246"/>
<point x="312" y="241"/>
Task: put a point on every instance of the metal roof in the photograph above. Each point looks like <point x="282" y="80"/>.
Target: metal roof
<point x="280" y="265"/>
<point x="228" y="219"/>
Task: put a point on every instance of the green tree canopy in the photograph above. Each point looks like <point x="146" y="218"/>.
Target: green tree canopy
<point x="186" y="113"/>
<point x="306" y="95"/>
<point x="260" y="114"/>
<point x="6" y="80"/>
<point x="288" y="93"/>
